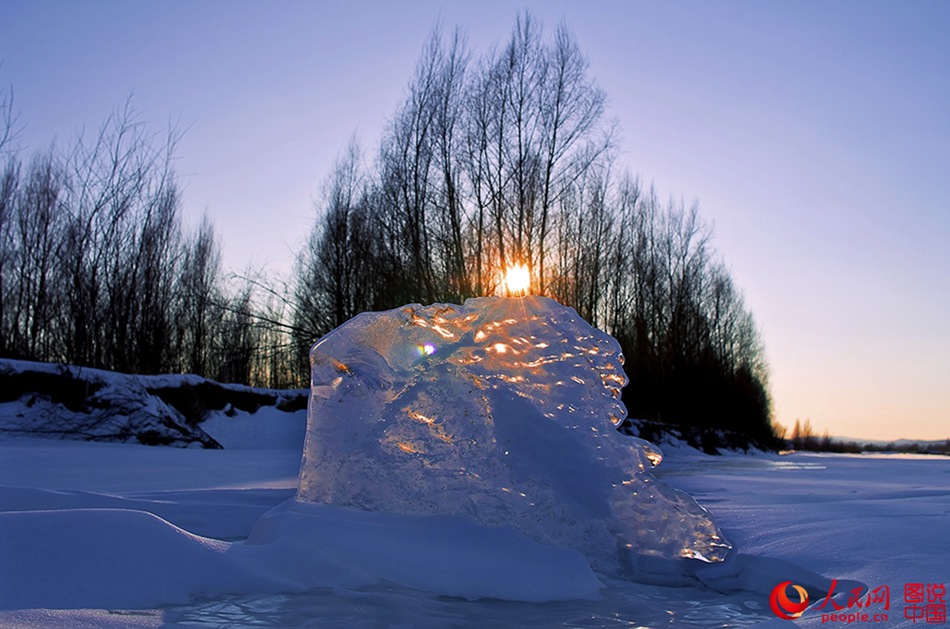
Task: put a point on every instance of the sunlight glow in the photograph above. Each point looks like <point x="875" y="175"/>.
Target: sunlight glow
<point x="517" y="280"/>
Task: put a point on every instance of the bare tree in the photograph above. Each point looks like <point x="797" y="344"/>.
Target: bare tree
<point x="198" y="294"/>
<point x="486" y="153"/>
<point x="239" y="339"/>
<point x="121" y="245"/>
<point x="9" y="183"/>
<point x="38" y="239"/>
<point x="535" y="128"/>
<point x="334" y="278"/>
<point x="8" y="124"/>
<point x="450" y="69"/>
<point x="585" y="236"/>
<point x="571" y="108"/>
<point x="407" y="165"/>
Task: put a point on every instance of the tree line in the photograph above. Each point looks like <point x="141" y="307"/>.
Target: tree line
<point x="804" y="437"/>
<point x="96" y="269"/>
<point x="493" y="159"/>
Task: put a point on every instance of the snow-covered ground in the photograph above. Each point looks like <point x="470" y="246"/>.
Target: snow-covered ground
<point x="78" y="508"/>
<point x="882" y="521"/>
<point x="460" y="466"/>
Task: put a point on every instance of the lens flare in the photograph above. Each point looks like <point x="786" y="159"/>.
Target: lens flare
<point x="427" y="349"/>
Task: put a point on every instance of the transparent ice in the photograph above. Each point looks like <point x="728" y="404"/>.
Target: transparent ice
<point x="503" y="411"/>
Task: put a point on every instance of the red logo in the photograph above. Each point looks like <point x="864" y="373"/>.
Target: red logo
<point x="783" y="606"/>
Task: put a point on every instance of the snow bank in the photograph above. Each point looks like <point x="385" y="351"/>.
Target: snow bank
<point x="61" y="402"/>
<point x="42" y="400"/>
<point x="502" y="411"/>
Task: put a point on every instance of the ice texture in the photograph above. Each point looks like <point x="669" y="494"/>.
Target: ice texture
<point x="503" y="411"/>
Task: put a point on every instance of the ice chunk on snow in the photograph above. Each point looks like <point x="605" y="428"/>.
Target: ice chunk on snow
<point x="503" y="411"/>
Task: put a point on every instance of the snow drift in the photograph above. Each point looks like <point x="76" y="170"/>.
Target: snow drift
<point x="502" y="411"/>
<point x="43" y="400"/>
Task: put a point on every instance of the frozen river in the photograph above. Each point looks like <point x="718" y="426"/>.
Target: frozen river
<point x="879" y="521"/>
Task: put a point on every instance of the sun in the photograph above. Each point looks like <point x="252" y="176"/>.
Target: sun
<point x="517" y="280"/>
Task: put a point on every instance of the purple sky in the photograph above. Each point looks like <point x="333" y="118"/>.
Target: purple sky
<point x="815" y="136"/>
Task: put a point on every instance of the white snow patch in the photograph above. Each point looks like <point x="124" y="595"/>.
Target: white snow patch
<point x="268" y="427"/>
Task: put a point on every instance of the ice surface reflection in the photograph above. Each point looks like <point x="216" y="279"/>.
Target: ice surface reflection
<point x="739" y="465"/>
<point x="625" y="604"/>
